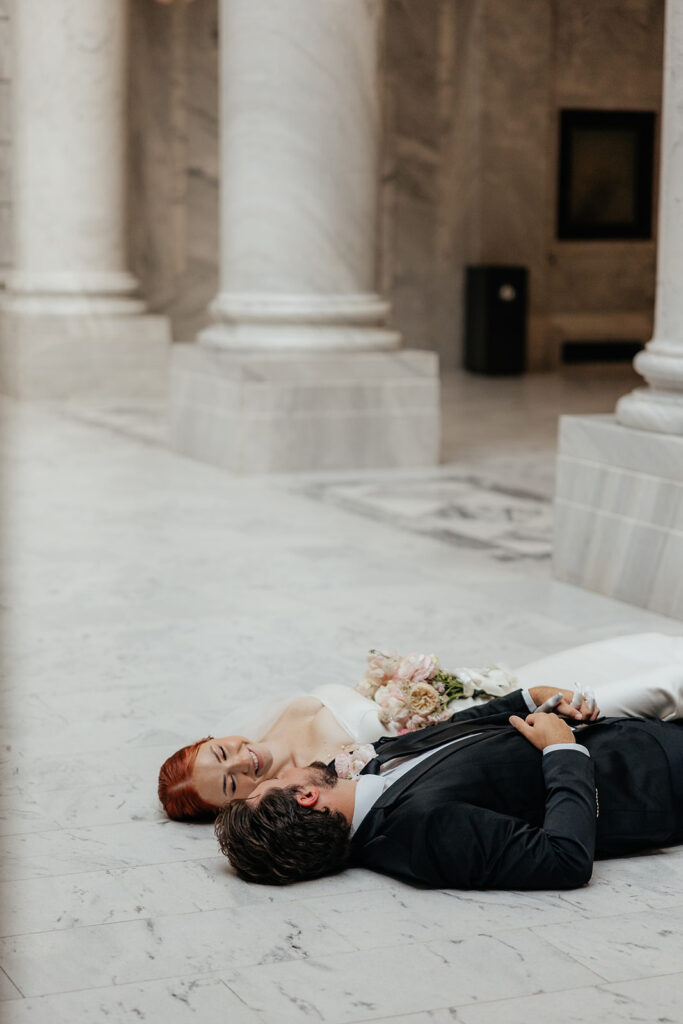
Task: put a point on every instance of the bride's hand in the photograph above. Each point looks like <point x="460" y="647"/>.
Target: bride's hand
<point x="587" y="711"/>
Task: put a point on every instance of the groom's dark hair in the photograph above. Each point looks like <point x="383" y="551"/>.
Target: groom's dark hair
<point x="277" y="841"/>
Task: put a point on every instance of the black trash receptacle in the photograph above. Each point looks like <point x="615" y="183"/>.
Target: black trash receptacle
<point x="495" y="319"/>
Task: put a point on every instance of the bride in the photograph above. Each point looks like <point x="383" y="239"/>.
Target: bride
<point x="635" y="676"/>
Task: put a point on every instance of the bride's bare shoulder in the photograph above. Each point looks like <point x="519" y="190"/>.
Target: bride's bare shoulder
<point x="301" y="707"/>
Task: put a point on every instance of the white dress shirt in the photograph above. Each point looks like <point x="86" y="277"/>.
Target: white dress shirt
<point x="370" y="788"/>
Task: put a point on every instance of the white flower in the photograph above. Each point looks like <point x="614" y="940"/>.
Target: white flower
<point x="423" y="698"/>
<point x="495" y="680"/>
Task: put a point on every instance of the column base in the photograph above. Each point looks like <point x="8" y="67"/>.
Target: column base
<point x="288" y="337"/>
<point x="619" y="512"/>
<point x="648" y="409"/>
<point x="57" y="357"/>
<point x="281" y="412"/>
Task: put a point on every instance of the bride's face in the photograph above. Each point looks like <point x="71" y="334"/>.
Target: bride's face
<point x="230" y="767"/>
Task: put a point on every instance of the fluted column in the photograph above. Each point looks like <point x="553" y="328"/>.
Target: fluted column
<point x="659" y="406"/>
<point x="300" y="140"/>
<point x="71" y="319"/>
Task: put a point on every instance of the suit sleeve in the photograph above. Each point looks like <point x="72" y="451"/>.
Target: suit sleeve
<point x="511" y="704"/>
<point x="457" y="845"/>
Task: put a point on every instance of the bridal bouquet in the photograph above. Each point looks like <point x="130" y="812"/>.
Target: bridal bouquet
<point x="414" y="691"/>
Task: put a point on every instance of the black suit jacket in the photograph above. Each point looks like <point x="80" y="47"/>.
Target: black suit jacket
<point x="494" y="812"/>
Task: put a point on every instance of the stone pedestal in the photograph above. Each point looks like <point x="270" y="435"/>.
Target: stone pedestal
<point x="263" y="413"/>
<point x="72" y="321"/>
<point x="85" y="356"/>
<point x="619" y="512"/>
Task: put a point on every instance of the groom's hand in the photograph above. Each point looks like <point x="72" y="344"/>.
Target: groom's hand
<point x="585" y="713"/>
<point x="543" y="729"/>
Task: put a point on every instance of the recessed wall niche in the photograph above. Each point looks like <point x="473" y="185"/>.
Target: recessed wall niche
<point x="605" y="174"/>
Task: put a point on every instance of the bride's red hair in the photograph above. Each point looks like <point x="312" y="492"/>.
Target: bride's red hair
<point x="179" y="798"/>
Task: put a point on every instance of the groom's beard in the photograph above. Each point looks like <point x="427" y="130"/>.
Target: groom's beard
<point x="322" y="774"/>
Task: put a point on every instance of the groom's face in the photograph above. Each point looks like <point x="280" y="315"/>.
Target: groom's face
<point x="316" y="774"/>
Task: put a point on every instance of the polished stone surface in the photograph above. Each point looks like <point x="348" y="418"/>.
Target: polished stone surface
<point x="620" y="490"/>
<point x="146" y="593"/>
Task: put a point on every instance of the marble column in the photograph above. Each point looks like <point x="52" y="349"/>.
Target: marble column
<point x="298" y="369"/>
<point x="72" y="322"/>
<point x="659" y="406"/>
<point x="619" y="507"/>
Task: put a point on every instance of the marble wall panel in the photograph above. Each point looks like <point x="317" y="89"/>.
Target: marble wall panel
<point x="610" y="53"/>
<point x="173" y="189"/>
<point x="411" y="41"/>
<point x="516" y="138"/>
<point x="607" y="56"/>
<point x="601" y="277"/>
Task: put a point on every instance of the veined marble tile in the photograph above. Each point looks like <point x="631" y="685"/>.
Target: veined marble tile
<point x="157" y="890"/>
<point x="447" y="504"/>
<point x="626" y="946"/>
<point x="117" y="767"/>
<point x="403" y="914"/>
<point x="7" y="989"/>
<point x="122" y="894"/>
<point x="641" y="1001"/>
<point x="402" y="979"/>
<point x="173" y="1001"/>
<point x="655" y="878"/>
<point x="184" y="944"/>
<point x="63" y="852"/>
<point x="20" y="813"/>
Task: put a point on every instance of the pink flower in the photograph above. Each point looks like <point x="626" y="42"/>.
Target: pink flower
<point x="417" y="668"/>
<point x="367" y="687"/>
<point x="342" y="765"/>
<point x="382" y="666"/>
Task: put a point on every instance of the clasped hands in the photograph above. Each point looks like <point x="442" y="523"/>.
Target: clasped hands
<point x="543" y="729"/>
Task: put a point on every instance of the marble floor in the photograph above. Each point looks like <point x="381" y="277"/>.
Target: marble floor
<point x="145" y="595"/>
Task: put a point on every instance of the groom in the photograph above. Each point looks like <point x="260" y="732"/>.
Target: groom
<point x="494" y="798"/>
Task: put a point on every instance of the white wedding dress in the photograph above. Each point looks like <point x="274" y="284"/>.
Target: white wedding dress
<point x="637" y="676"/>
